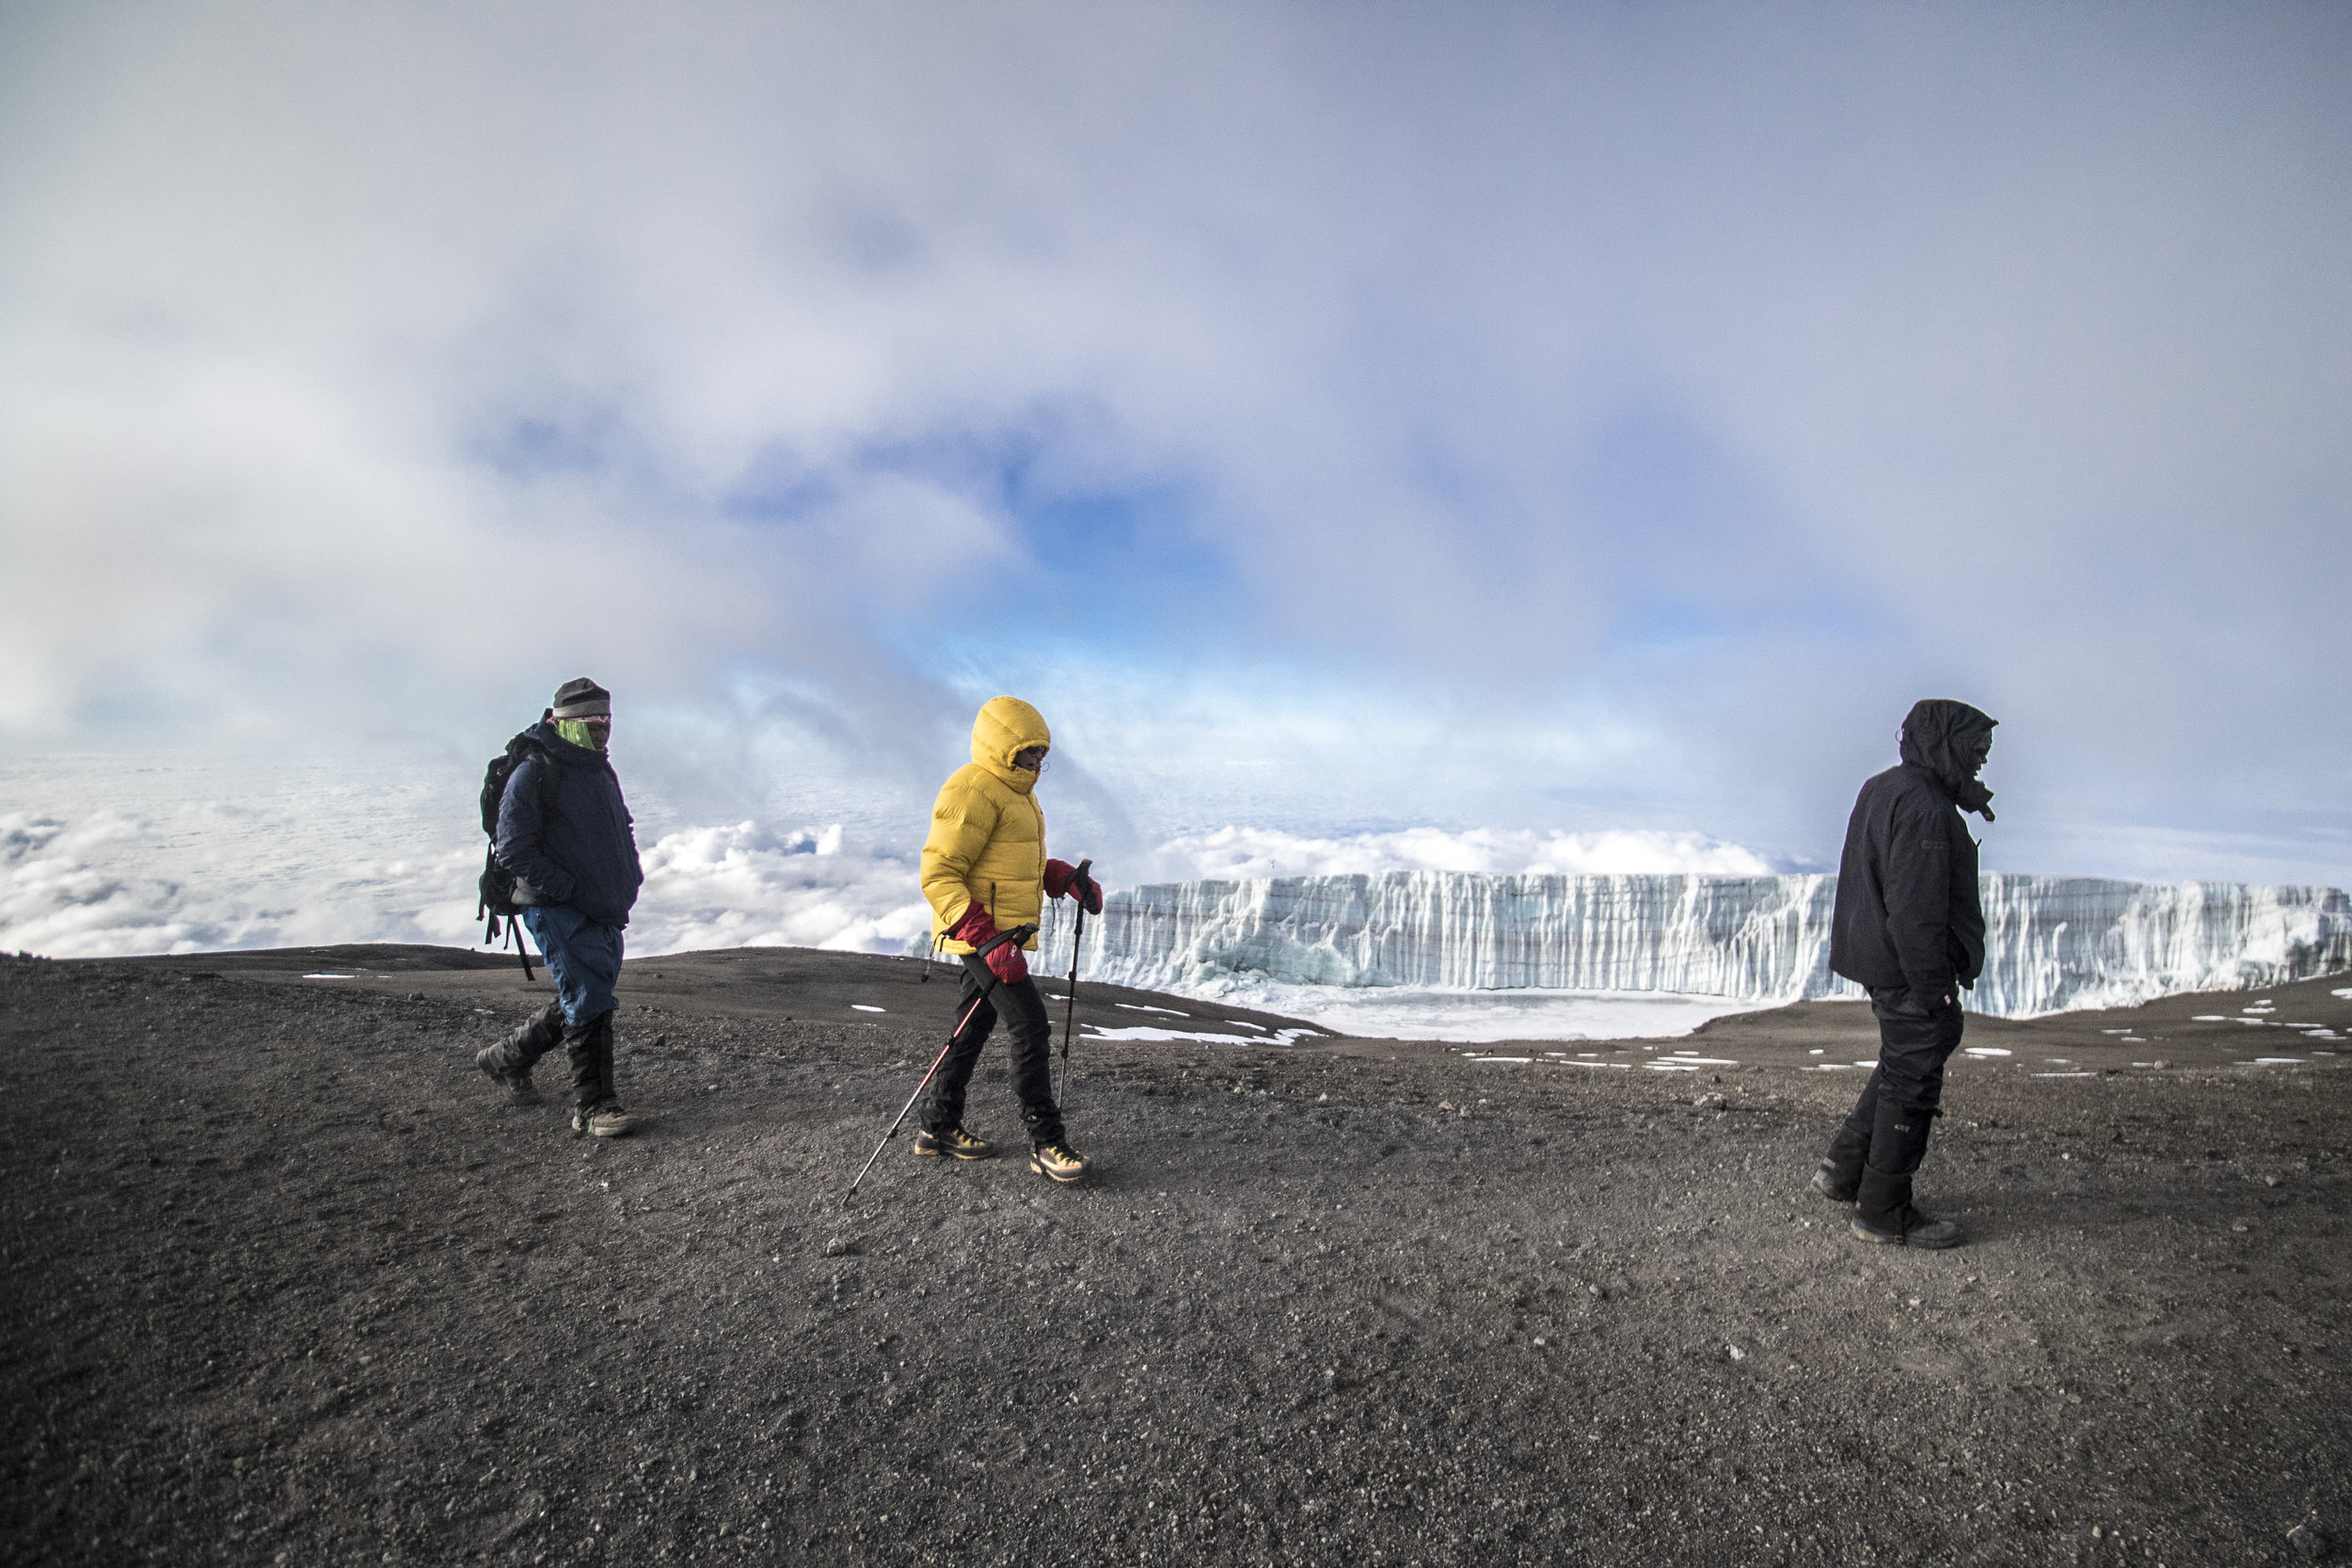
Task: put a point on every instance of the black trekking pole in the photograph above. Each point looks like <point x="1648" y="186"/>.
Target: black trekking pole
<point x="1069" y="1011"/>
<point x="514" y="934"/>
<point x="515" y="930"/>
<point x="1017" y="935"/>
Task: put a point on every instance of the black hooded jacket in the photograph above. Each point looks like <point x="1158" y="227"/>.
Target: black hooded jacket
<point x="1907" y="910"/>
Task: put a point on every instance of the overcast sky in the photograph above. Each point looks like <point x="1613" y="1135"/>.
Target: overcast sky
<point x="1336" y="417"/>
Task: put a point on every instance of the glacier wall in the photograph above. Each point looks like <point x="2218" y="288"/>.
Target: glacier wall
<point x="2055" y="943"/>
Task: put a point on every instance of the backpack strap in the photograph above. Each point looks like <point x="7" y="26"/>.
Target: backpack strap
<point x="549" y="778"/>
<point x="521" y="748"/>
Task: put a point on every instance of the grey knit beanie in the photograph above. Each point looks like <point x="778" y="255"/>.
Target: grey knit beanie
<point x="581" y="699"/>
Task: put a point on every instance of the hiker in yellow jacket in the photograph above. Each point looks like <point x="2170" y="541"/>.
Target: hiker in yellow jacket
<point x="985" y="871"/>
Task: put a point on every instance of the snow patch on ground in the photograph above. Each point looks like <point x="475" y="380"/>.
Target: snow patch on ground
<point x="1148" y="1032"/>
<point x="1476" y="1017"/>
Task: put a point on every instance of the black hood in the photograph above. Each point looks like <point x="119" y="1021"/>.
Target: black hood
<point x="1940" y="737"/>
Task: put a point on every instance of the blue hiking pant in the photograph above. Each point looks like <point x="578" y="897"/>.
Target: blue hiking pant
<point x="584" y="957"/>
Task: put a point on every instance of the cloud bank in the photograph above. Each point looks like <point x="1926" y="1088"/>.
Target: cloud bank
<point x="120" y="879"/>
<point x="109" y="884"/>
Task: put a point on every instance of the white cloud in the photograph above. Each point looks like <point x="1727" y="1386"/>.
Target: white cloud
<point x="1239" y="853"/>
<point x="742" y="886"/>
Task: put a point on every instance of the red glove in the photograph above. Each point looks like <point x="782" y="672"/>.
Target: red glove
<point x="1063" y="881"/>
<point x="1004" y="960"/>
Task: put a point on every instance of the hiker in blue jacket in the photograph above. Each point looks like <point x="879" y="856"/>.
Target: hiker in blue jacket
<point x="564" y="836"/>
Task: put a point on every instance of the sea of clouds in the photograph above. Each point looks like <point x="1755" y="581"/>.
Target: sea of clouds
<point x="195" y="858"/>
<point x="110" y="883"/>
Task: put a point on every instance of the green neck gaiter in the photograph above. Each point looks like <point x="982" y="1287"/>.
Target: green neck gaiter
<point x="576" y="731"/>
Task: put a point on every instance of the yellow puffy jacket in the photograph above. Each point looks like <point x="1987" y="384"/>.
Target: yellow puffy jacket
<point x="988" y="833"/>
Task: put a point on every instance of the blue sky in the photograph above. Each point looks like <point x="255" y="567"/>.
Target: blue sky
<point x="1552" y="417"/>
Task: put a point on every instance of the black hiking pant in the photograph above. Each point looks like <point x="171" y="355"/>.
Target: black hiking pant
<point x="1023" y="1010"/>
<point x="1887" y="1129"/>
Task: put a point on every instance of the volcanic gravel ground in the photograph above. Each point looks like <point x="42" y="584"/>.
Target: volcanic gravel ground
<point x="287" y="1283"/>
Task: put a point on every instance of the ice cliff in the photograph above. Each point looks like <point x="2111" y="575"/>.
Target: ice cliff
<point x="2056" y="943"/>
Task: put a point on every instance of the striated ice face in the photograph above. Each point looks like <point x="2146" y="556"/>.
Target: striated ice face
<point x="2054" y="943"/>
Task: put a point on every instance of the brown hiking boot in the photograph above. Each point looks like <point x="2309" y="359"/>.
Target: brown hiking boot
<point x="954" y="1142"/>
<point x="604" y="1119"/>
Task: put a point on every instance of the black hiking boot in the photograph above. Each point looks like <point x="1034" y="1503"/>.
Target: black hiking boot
<point x="509" y="1061"/>
<point x="955" y="1142"/>
<point x="596" y="1109"/>
<point x="1836" y="1185"/>
<point x="1884" y="1215"/>
<point x="494" y="1060"/>
<point x="1058" y="1160"/>
<point x="606" y="1042"/>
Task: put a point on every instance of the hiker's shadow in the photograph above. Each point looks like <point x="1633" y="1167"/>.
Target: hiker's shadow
<point x="2036" y="1209"/>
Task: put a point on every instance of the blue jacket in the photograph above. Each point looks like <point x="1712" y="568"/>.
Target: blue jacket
<point x="584" y="854"/>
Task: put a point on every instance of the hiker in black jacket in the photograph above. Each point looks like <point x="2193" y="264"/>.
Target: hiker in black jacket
<point x="564" y="836"/>
<point x="1907" y="928"/>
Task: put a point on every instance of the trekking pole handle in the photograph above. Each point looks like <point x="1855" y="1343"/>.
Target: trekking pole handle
<point x="1018" y="934"/>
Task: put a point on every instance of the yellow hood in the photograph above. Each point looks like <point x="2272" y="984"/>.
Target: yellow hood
<point x="1005" y="727"/>
<point x="987" y="841"/>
